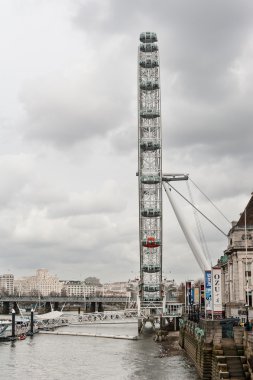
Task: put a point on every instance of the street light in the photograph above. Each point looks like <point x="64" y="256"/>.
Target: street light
<point x="247" y="317"/>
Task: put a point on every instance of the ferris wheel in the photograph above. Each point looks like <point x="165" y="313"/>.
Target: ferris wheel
<point x="150" y="173"/>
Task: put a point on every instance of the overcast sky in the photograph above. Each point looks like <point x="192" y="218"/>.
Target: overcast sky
<point x="68" y="129"/>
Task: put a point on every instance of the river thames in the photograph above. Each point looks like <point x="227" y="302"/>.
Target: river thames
<point x="55" y="357"/>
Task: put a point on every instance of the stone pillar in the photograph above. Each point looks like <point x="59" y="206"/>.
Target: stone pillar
<point x="6" y="307"/>
<point x="250" y="288"/>
<point x="241" y="281"/>
<point x="100" y="307"/>
<point x="93" y="307"/>
<point x="47" y="307"/>
<point x="230" y="284"/>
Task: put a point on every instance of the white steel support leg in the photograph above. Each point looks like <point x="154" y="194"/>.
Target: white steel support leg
<point x="196" y="250"/>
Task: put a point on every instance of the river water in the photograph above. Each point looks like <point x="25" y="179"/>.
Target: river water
<point x="55" y="357"/>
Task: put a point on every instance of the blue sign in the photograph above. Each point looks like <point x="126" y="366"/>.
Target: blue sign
<point x="192" y="295"/>
<point x="208" y="290"/>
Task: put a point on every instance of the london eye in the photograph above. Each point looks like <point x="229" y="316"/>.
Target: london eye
<point x="149" y="173"/>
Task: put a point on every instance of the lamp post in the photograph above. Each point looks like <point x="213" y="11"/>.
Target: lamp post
<point x="13" y="324"/>
<point x="191" y="312"/>
<point x="247" y="317"/>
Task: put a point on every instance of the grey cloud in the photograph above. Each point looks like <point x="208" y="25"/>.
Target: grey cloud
<point x="79" y="131"/>
<point x="64" y="111"/>
<point x="88" y="203"/>
<point x="15" y="173"/>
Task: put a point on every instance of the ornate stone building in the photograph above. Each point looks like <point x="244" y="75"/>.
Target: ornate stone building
<point x="42" y="284"/>
<point x="237" y="266"/>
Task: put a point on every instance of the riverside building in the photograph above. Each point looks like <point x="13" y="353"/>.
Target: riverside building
<point x="42" y="284"/>
<point x="7" y="284"/>
<point x="79" y="289"/>
<point x="237" y="267"/>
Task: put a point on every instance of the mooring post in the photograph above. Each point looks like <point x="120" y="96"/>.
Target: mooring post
<point x="31" y="327"/>
<point x="13" y="314"/>
<point x="140" y="325"/>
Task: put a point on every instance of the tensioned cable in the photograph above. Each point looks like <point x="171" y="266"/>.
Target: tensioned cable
<point x="209" y="200"/>
<point x="209" y="220"/>
<point x="199" y="228"/>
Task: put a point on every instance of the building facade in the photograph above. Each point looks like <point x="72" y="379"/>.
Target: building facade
<point x="119" y="288"/>
<point x="237" y="266"/>
<point x="79" y="289"/>
<point x="42" y="284"/>
<point x="7" y="284"/>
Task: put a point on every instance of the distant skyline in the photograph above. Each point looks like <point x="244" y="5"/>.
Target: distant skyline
<point x="68" y="129"/>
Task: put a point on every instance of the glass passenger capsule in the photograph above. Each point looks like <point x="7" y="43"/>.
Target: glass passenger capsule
<point x="148" y="48"/>
<point x="151" y="212"/>
<point x="150" y="298"/>
<point x="150" y="179"/>
<point x="150" y="252"/>
<point x="149" y="85"/>
<point x="148" y="37"/>
<point x="149" y="63"/>
<point x="151" y="288"/>
<point x="151" y="268"/>
<point x="151" y="242"/>
<point x="149" y="114"/>
<point x="150" y="145"/>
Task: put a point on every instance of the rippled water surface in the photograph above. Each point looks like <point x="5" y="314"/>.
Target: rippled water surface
<point x="53" y="357"/>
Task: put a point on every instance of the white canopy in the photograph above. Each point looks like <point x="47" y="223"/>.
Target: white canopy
<point x="47" y="316"/>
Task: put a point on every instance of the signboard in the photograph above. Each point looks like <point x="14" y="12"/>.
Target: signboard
<point x="188" y="293"/>
<point x="216" y="280"/>
<point x="192" y="296"/>
<point x="208" y="290"/>
<point x="202" y="296"/>
<point x="196" y="296"/>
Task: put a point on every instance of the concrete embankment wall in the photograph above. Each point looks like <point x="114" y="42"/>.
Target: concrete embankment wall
<point x="203" y="344"/>
<point x="248" y="350"/>
<point x="199" y="351"/>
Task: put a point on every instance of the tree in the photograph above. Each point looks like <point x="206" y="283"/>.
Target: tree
<point x="64" y="292"/>
<point x="34" y="293"/>
<point x="4" y="291"/>
<point x="92" y="281"/>
<point x="54" y="294"/>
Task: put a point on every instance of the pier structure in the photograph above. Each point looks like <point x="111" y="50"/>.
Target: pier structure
<point x="18" y="327"/>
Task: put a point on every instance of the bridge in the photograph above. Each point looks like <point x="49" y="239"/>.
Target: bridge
<point x="64" y="299"/>
<point x="90" y="304"/>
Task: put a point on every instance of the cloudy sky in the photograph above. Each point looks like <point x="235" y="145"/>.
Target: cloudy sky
<point x="68" y="129"/>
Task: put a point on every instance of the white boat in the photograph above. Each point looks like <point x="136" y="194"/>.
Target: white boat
<point x="5" y="329"/>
